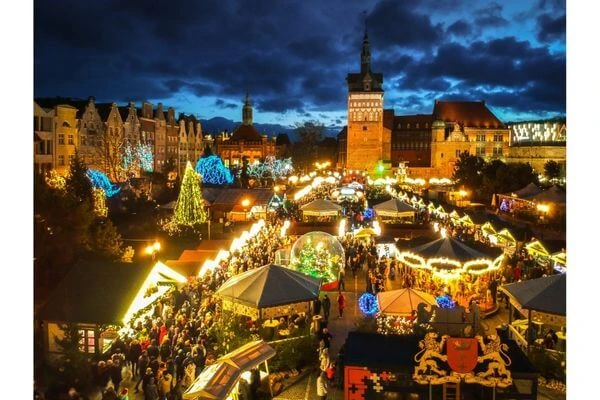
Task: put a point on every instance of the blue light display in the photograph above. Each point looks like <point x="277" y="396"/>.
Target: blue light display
<point x="445" y="301"/>
<point x="99" y="180"/>
<point x="213" y="171"/>
<point x="368" y="304"/>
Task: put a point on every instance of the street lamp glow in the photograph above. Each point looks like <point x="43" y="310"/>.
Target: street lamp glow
<point x="156" y="246"/>
<point x="543" y="208"/>
<point x="245" y="202"/>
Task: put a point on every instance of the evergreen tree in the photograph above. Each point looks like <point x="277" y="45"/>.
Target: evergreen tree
<point x="552" y="169"/>
<point x="190" y="210"/>
<point x="78" y="185"/>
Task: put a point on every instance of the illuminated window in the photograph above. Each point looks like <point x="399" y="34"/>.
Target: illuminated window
<point x="61" y="139"/>
<point x="71" y="139"/>
<point x="497" y="138"/>
<point x="497" y="151"/>
<point x="87" y="341"/>
<point x="480" y="151"/>
<point x="61" y="160"/>
<point x="480" y="138"/>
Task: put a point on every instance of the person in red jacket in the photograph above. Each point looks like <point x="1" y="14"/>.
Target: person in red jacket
<point x="341" y="300"/>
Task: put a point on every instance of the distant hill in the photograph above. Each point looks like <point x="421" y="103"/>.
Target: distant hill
<point x="219" y="124"/>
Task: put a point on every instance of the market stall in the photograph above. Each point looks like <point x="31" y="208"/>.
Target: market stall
<point x="542" y="305"/>
<point x="321" y="209"/>
<point x="221" y="379"/>
<point x="403" y="302"/>
<point x="395" y="209"/>
<point x="269" y="291"/>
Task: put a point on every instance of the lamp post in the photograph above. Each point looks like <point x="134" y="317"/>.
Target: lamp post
<point x="153" y="249"/>
<point x="245" y="204"/>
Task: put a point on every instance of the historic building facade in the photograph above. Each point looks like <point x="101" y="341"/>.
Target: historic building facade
<point x="44" y="140"/>
<point x="429" y="144"/>
<point x="367" y="139"/>
<point x="245" y="141"/>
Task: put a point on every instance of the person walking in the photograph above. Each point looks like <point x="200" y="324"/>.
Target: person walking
<point x="326" y="307"/>
<point x="151" y="391"/>
<point x="342" y="279"/>
<point x="317" y="306"/>
<point x="341" y="300"/>
<point x="322" y="386"/>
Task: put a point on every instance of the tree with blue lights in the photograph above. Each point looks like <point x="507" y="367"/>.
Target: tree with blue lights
<point x="100" y="181"/>
<point x="213" y="171"/>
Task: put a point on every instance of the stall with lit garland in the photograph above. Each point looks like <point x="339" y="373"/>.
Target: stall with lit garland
<point x="81" y="300"/>
<point x="395" y="210"/>
<point x="451" y="265"/>
<point x="321" y="209"/>
<point x="270" y="291"/>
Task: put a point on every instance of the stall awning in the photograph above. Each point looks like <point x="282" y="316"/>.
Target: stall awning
<point x="548" y="294"/>
<point x="270" y="286"/>
<point x="218" y="380"/>
<point x="394" y="208"/>
<point x="403" y="302"/>
<point x="321" y="207"/>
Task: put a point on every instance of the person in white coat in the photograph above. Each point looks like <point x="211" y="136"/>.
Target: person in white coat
<point x="322" y="386"/>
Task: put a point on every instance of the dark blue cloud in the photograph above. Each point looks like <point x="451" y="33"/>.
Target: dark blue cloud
<point x="460" y="28"/>
<point x="551" y="27"/>
<point x="293" y="56"/>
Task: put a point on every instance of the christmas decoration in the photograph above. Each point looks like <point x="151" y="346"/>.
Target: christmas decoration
<point x="213" y="171"/>
<point x="189" y="210"/>
<point x="99" y="180"/>
<point x="138" y="157"/>
<point x="390" y="325"/>
<point x="55" y="180"/>
<point x="445" y="301"/>
<point x="368" y="304"/>
<point x="318" y="254"/>
<point x="272" y="168"/>
<point x="100" y="208"/>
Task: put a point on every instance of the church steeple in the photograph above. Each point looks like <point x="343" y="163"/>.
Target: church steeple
<point x="247" y="111"/>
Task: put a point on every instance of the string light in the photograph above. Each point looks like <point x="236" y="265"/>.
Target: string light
<point x="445" y="301"/>
<point x="213" y="171"/>
<point x="99" y="180"/>
<point x="189" y="209"/>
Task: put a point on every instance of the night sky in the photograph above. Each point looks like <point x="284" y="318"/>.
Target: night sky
<point x="201" y="57"/>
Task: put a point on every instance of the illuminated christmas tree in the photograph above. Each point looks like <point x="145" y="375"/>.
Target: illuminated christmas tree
<point x="317" y="261"/>
<point x="190" y="210"/>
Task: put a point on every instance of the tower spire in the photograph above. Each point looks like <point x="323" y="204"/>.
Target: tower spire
<point x="247" y="111"/>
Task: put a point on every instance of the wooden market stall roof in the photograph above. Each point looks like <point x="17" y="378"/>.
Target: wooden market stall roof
<point x="454" y="249"/>
<point x="218" y="380"/>
<point x="548" y="294"/>
<point x="394" y="208"/>
<point x="82" y="296"/>
<point x="321" y="207"/>
<point x="269" y="286"/>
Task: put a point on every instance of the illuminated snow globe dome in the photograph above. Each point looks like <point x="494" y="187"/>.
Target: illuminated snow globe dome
<point x="318" y="254"/>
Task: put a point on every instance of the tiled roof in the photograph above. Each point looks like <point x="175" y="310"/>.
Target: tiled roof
<point x="413" y="120"/>
<point x="473" y="114"/>
<point x="51" y="102"/>
<point x="246" y="133"/>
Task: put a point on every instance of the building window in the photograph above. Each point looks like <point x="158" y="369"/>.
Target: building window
<point x="71" y="139"/>
<point x="61" y="139"/>
<point x="83" y="141"/>
<point x="87" y="341"/>
<point x="497" y="138"/>
<point x="497" y="152"/>
<point x="480" y="138"/>
<point x="480" y="151"/>
<point x="61" y="160"/>
<point x="364" y="127"/>
<point x="458" y="153"/>
<point x="71" y="158"/>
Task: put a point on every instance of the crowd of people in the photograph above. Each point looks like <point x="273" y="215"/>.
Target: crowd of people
<point x="167" y="346"/>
